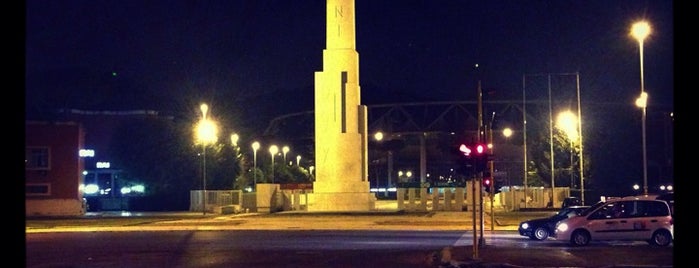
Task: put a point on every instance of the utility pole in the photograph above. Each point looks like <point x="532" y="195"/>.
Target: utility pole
<point x="481" y="240"/>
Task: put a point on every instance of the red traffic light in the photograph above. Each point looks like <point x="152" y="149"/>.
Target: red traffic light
<point x="480" y="148"/>
<point x="486" y="182"/>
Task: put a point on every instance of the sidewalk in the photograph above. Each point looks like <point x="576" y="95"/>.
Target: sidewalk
<point x="380" y="219"/>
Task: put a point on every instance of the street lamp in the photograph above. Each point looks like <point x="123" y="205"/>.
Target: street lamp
<point x="285" y="150"/>
<point x="298" y="160"/>
<point x="255" y="146"/>
<point x="273" y="150"/>
<point x="234" y="139"/>
<point x="507" y="133"/>
<point x="640" y="30"/>
<point x="206" y="133"/>
<point x="389" y="161"/>
<point x="567" y="121"/>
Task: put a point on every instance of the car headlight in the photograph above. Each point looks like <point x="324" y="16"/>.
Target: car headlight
<point x="562" y="227"/>
<point x="525" y="225"/>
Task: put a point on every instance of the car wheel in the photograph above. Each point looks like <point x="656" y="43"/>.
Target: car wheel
<point x="661" y="238"/>
<point x="580" y="238"/>
<point x="541" y="233"/>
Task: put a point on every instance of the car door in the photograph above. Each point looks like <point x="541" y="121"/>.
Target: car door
<point x="644" y="217"/>
<point x="607" y="222"/>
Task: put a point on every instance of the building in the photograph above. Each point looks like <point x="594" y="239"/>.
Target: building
<point x="53" y="168"/>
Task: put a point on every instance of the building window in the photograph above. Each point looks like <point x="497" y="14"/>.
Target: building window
<point x="37" y="189"/>
<point x="37" y="158"/>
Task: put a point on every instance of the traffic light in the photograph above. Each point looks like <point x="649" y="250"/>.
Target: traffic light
<point x="489" y="183"/>
<point x="473" y="158"/>
<point x="486" y="184"/>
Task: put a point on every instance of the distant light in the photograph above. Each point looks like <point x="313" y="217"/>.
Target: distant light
<point x="138" y="188"/>
<point x="91" y="189"/>
<point x="102" y="165"/>
<point x="114" y="74"/>
<point x="86" y="153"/>
<point x="125" y="190"/>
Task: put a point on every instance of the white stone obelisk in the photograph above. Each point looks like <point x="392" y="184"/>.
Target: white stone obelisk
<point x="341" y="176"/>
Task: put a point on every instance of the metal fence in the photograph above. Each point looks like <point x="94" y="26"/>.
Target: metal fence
<point x="214" y="198"/>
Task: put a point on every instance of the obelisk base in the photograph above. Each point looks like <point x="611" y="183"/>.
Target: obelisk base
<point x="355" y="198"/>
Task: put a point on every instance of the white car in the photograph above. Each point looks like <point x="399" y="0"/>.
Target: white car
<point x="628" y="218"/>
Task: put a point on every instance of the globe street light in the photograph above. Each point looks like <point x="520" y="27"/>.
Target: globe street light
<point x="255" y="146"/>
<point x="234" y="139"/>
<point x="640" y="30"/>
<point x="298" y="160"/>
<point x="206" y="133"/>
<point x="285" y="150"/>
<point x="273" y="150"/>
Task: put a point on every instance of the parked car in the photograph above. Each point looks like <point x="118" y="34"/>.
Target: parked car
<point x="542" y="228"/>
<point x="571" y="201"/>
<point x="628" y="218"/>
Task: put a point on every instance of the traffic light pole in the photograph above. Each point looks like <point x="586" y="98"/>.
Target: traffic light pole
<point x="481" y="240"/>
<point x="492" y="175"/>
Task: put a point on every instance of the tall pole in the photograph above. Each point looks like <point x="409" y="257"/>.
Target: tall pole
<point x="389" y="160"/>
<point x="255" y="146"/>
<point x="553" y="181"/>
<point x="640" y="31"/>
<point x="273" y="150"/>
<point x="204" y="179"/>
<point x="580" y="135"/>
<point x="491" y="164"/>
<point x="204" y="108"/>
<point x="643" y="127"/>
<point x="481" y="241"/>
<point x="524" y="135"/>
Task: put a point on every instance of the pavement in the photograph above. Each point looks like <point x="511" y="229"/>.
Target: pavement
<point x="385" y="217"/>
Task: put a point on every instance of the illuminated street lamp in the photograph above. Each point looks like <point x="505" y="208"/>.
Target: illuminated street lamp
<point x="389" y="161"/>
<point x="507" y="132"/>
<point x="285" y="150"/>
<point x="641" y="30"/>
<point x="567" y="121"/>
<point x="298" y="160"/>
<point x="206" y="132"/>
<point x="255" y="146"/>
<point x="234" y="139"/>
<point x="273" y="150"/>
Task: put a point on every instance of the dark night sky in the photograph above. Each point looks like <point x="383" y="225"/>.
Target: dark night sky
<point x="171" y="55"/>
<point x="424" y="50"/>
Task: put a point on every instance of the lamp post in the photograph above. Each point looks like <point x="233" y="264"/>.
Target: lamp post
<point x="389" y="161"/>
<point x="640" y="30"/>
<point x="206" y="133"/>
<point x="298" y="160"/>
<point x="507" y="133"/>
<point x="234" y="140"/>
<point x="255" y="146"/>
<point x="285" y="150"/>
<point x="567" y="121"/>
<point x="273" y="150"/>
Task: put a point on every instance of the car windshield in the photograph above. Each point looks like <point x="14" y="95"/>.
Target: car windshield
<point x="564" y="211"/>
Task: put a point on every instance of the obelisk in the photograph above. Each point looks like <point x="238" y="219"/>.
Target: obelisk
<point x="341" y="176"/>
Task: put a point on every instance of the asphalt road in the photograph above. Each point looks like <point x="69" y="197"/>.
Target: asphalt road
<point x="488" y="255"/>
